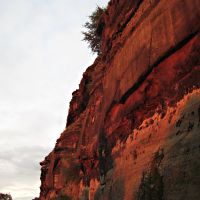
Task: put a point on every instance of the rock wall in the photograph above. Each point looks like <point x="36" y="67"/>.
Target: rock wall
<point x="133" y="128"/>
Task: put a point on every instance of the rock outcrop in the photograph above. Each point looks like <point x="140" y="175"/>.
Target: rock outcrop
<point x="133" y="128"/>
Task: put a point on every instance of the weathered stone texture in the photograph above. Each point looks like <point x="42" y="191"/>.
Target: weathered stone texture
<point x="133" y="129"/>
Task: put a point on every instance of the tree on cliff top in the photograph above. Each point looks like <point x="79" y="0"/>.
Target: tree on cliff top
<point x="94" y="30"/>
<point x="5" y="196"/>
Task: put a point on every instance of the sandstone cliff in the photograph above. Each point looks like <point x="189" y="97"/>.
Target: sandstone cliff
<point x="133" y="128"/>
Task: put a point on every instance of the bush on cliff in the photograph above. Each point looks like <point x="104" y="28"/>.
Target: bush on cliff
<point x="94" y="28"/>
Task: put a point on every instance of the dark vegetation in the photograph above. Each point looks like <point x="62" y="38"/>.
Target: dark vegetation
<point x="94" y="28"/>
<point x="5" y="196"/>
<point x="152" y="186"/>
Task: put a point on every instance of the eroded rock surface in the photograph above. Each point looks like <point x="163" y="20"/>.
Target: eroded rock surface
<point x="133" y="129"/>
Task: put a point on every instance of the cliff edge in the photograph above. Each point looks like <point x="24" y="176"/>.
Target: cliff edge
<point x="133" y="128"/>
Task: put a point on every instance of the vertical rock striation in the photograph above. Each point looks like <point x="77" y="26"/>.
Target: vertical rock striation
<point x="133" y="128"/>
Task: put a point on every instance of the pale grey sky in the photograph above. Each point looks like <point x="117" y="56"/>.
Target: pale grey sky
<point x="42" y="58"/>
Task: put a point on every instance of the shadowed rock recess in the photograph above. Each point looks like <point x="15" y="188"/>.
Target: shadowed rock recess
<point x="133" y="128"/>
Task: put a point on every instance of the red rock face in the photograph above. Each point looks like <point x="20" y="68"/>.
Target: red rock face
<point x="133" y="129"/>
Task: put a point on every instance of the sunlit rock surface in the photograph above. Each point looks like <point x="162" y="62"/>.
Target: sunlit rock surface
<point x="133" y="128"/>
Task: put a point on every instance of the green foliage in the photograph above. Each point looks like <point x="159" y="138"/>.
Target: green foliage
<point x="93" y="33"/>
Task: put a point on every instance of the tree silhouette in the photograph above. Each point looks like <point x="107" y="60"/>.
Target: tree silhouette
<point x="93" y="33"/>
